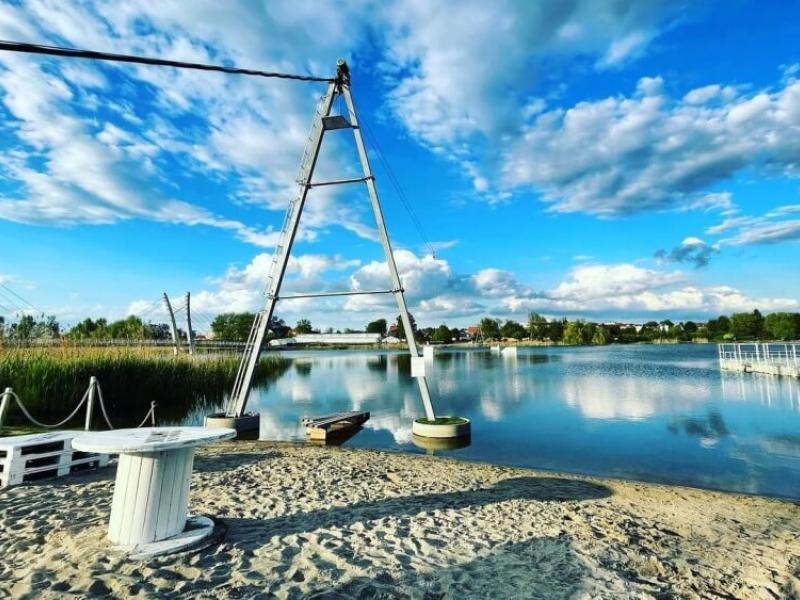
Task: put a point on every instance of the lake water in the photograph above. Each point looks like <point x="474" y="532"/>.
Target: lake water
<point x="656" y="413"/>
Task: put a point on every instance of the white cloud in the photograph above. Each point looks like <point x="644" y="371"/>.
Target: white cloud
<point x="773" y="227"/>
<point x="436" y="293"/>
<point x="623" y="155"/>
<point x="451" y="65"/>
<point x="244" y="134"/>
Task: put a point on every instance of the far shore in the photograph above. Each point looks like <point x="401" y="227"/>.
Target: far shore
<point x="306" y="521"/>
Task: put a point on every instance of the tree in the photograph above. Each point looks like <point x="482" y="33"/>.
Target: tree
<point x="782" y="326"/>
<point x="401" y="330"/>
<point x="690" y="326"/>
<point x="747" y="326"/>
<point x="718" y="327"/>
<point x="278" y="328"/>
<point x="555" y="330"/>
<point x="303" y="326"/>
<point x="377" y="326"/>
<point x="159" y="331"/>
<point x="537" y="326"/>
<point x="442" y="334"/>
<point x="28" y="328"/>
<point x="490" y="328"/>
<point x="233" y="327"/>
<point x="130" y="328"/>
<point x="600" y="336"/>
<point x="573" y="333"/>
<point x="512" y="329"/>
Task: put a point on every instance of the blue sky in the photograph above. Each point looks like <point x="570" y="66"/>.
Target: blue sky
<point x="607" y="160"/>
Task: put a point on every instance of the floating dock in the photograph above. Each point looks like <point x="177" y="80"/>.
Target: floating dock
<point x="772" y="358"/>
<point x="333" y="425"/>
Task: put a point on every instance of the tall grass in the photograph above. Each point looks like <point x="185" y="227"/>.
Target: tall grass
<point x="50" y="381"/>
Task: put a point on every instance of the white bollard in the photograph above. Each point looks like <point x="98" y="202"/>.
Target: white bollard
<point x="4" y="404"/>
<point x="90" y="403"/>
<point x="428" y="352"/>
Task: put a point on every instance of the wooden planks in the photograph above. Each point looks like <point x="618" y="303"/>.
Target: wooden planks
<point x="42" y="455"/>
<point x="323" y="428"/>
<point x="151" y="496"/>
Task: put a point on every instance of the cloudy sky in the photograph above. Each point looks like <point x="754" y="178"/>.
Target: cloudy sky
<point x="609" y="159"/>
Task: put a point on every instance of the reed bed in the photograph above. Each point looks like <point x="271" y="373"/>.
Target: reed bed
<point x="51" y="381"/>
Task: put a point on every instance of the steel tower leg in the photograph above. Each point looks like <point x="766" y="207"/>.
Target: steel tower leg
<point x="387" y="247"/>
<point x="252" y="353"/>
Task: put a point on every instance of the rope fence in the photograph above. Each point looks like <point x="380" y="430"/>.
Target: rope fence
<point x="92" y="391"/>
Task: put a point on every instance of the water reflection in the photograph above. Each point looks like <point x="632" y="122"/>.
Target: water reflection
<point x="659" y="413"/>
<point x="709" y="429"/>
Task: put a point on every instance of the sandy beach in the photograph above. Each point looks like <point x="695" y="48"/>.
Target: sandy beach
<point x="305" y="521"/>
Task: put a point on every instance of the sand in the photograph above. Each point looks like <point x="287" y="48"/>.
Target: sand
<point x="305" y="521"/>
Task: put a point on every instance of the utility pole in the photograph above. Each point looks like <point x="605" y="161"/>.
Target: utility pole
<point x="176" y="341"/>
<point x="189" y="334"/>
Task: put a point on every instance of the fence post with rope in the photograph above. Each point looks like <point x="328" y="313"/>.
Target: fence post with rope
<point x="88" y="397"/>
<point x="4" y="402"/>
<point x="90" y="405"/>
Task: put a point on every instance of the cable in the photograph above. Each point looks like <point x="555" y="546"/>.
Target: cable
<point x="396" y="184"/>
<point x="16" y="295"/>
<point x="45" y="425"/>
<point x="144" y="60"/>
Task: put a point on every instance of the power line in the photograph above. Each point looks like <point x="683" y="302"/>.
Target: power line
<point x="145" y="60"/>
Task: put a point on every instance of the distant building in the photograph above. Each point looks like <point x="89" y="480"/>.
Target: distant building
<point x="328" y="338"/>
<point x="637" y="326"/>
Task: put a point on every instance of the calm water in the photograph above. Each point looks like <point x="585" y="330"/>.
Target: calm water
<point x="658" y="413"/>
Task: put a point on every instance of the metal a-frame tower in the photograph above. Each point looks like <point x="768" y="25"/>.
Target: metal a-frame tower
<point x="323" y="122"/>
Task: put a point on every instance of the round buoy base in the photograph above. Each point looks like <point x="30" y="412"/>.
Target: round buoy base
<point x="441" y="427"/>
<point x="246" y="424"/>
<point x="200" y="532"/>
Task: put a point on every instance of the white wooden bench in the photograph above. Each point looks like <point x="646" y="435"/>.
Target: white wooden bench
<point x="42" y="455"/>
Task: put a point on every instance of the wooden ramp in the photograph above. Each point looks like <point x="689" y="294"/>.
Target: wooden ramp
<point x="336" y="424"/>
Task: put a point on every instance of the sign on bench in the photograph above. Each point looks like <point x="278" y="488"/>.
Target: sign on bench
<point x="42" y="455"/>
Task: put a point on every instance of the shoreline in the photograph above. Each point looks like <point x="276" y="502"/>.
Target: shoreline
<point x="317" y="521"/>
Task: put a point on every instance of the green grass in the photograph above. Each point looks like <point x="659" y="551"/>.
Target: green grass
<point x="442" y="421"/>
<point x="51" y="381"/>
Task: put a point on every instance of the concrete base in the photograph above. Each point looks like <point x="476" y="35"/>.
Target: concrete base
<point x="198" y="533"/>
<point x="435" y="444"/>
<point x="244" y="424"/>
<point x="441" y="431"/>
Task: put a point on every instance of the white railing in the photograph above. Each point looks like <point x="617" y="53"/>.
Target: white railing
<point x="773" y="353"/>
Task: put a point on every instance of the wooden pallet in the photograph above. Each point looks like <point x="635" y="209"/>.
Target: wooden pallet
<point x="42" y="455"/>
<point x="323" y="428"/>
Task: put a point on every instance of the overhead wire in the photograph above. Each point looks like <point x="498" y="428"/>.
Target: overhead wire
<point x="16" y="295"/>
<point x="395" y="182"/>
<point x="28" y="48"/>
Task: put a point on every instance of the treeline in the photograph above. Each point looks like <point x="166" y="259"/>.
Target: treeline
<point x="745" y="326"/>
<point x="47" y="327"/>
